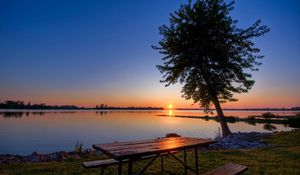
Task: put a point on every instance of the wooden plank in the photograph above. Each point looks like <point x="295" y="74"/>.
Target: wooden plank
<point x="139" y="145"/>
<point x="99" y="163"/>
<point x="137" y="149"/>
<point x="120" y="145"/>
<point x="143" y="141"/>
<point x="228" y="169"/>
<point x="106" y="148"/>
<point x="140" y="142"/>
<point x="153" y="148"/>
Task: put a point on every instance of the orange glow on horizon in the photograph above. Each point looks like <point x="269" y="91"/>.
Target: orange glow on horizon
<point x="91" y="99"/>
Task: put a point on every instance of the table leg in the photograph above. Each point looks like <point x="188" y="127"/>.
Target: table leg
<point x="184" y="159"/>
<point x="120" y="168"/>
<point x="130" y="167"/>
<point x="196" y="160"/>
<point x="102" y="170"/>
<point x="162" y="163"/>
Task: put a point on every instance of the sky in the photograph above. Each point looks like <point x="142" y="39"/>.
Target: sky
<point x="92" y="52"/>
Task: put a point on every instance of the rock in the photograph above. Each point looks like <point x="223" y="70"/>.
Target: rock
<point x="62" y="155"/>
<point x="38" y="157"/>
<point x="34" y="157"/>
<point x="53" y="156"/>
<point x="88" y="151"/>
<point x="240" y="140"/>
<point x="76" y="156"/>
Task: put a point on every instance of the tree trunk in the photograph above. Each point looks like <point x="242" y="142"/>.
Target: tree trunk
<point x="224" y="126"/>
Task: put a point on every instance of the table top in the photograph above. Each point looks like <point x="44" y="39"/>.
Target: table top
<point x="137" y="149"/>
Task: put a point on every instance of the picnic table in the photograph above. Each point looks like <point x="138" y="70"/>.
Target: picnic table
<point x="134" y="150"/>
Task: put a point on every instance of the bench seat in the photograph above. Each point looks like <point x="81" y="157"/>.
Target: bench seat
<point x="228" y="169"/>
<point x="99" y="163"/>
<point x="110" y="162"/>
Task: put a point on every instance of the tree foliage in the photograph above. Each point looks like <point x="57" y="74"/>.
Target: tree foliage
<point x="205" y="51"/>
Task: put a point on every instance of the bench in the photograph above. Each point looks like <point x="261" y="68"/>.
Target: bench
<point x="228" y="169"/>
<point x="109" y="162"/>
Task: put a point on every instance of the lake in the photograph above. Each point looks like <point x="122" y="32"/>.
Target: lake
<point x="25" y="131"/>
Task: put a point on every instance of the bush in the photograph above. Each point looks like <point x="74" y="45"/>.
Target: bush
<point x="79" y="147"/>
<point x="268" y="115"/>
<point x="172" y="135"/>
<point x="251" y="117"/>
<point x="294" y="121"/>
<point x="230" y="119"/>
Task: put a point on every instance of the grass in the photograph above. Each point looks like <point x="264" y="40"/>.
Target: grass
<point x="79" y="147"/>
<point x="283" y="157"/>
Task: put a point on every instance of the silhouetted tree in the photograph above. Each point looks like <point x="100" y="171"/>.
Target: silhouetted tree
<point x="206" y="52"/>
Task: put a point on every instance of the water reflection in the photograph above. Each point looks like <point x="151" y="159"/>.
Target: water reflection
<point x="12" y="114"/>
<point x="21" y="113"/>
<point x="101" y="113"/>
<point x="230" y="119"/>
<point x="269" y="127"/>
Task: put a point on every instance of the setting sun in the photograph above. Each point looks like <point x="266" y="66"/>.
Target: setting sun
<point x="170" y="106"/>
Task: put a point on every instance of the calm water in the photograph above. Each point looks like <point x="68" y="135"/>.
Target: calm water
<point x="22" y="132"/>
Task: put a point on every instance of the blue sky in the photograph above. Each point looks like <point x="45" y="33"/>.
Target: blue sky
<point x="93" y="52"/>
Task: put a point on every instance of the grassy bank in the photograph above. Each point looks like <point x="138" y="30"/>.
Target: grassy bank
<point x="283" y="157"/>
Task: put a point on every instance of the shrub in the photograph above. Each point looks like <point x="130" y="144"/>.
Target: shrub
<point x="268" y="115"/>
<point x="294" y="121"/>
<point x="251" y="117"/>
<point x="231" y="119"/>
<point x="79" y="147"/>
<point x="172" y="135"/>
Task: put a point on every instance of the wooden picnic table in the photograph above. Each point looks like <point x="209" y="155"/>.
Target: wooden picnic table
<point x="134" y="150"/>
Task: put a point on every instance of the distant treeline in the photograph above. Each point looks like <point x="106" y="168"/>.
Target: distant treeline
<point x="9" y="104"/>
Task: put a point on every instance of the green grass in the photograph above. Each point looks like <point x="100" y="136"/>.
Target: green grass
<point x="283" y="157"/>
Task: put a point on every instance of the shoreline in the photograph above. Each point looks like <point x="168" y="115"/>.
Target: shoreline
<point x="239" y="140"/>
<point x="282" y="152"/>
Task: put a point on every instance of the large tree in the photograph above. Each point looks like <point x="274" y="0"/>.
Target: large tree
<point x="205" y="51"/>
